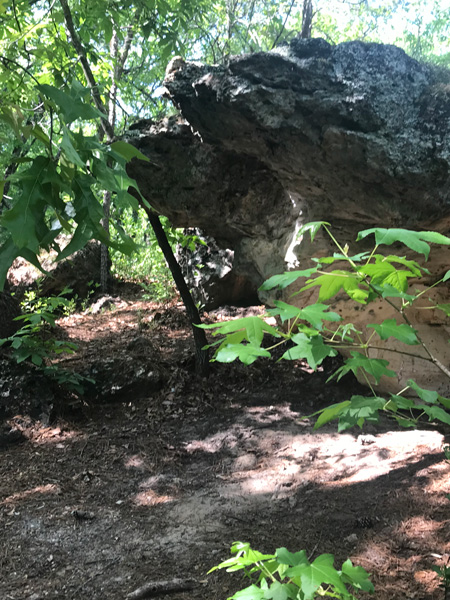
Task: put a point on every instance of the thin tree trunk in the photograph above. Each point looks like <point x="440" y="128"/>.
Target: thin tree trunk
<point x="307" y="17"/>
<point x="201" y="354"/>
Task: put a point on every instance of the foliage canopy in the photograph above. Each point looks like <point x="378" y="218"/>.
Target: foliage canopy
<point x="75" y="74"/>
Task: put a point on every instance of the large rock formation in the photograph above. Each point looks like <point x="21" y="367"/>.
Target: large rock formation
<point x="357" y="135"/>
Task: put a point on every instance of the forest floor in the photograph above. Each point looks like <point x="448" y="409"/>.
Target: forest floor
<point x="151" y="482"/>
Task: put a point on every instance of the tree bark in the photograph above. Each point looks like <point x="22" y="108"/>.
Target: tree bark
<point x="307" y="17"/>
<point x="200" y="341"/>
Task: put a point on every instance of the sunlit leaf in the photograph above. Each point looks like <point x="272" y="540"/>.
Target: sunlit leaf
<point x="312" y="228"/>
<point x="283" y="280"/>
<point x="416" y="240"/>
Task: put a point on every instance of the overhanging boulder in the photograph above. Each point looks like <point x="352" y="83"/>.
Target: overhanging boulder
<point x="356" y="134"/>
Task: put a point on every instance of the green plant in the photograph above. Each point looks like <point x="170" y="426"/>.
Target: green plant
<point x="315" y="332"/>
<point x="286" y="575"/>
<point x="444" y="574"/>
<point x="34" y="340"/>
<point x="47" y="307"/>
<point x="146" y="265"/>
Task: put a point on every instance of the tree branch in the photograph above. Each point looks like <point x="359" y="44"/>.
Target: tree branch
<point x="106" y="125"/>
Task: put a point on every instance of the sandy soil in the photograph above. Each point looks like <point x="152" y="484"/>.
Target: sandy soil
<point x="155" y="481"/>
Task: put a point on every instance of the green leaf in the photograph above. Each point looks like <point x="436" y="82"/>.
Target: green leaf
<point x="376" y="367"/>
<point x="314" y="575"/>
<point x="446" y="276"/>
<point x="384" y="273"/>
<point x="399" y="402"/>
<point x="277" y="591"/>
<point x="108" y="28"/>
<point x="329" y="260"/>
<point x="317" y="313"/>
<point x="357" y="576"/>
<point x="360" y="409"/>
<point x="389" y="328"/>
<point x="428" y="396"/>
<point x="40" y="135"/>
<point x="331" y="283"/>
<point x="412" y="265"/>
<point x="254" y="327"/>
<point x="283" y="280"/>
<point x="331" y="412"/>
<point x="435" y="413"/>
<point x="27" y="215"/>
<point x="284" y="311"/>
<point x="72" y="106"/>
<point x="127" y="151"/>
<point x="388" y="291"/>
<point x="252" y="592"/>
<point x="8" y="253"/>
<point x="247" y="354"/>
<point x="416" y="240"/>
<point x="245" y="556"/>
<point x="284" y="557"/>
<point x="444" y="401"/>
<point x="69" y="150"/>
<point x="445" y="308"/>
<point x="312" y="349"/>
<point x="312" y="227"/>
<point x="314" y="314"/>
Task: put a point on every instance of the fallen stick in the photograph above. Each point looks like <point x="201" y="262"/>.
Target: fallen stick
<point x="158" y="588"/>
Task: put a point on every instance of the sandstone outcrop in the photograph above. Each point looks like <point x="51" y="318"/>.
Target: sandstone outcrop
<point x="356" y="134"/>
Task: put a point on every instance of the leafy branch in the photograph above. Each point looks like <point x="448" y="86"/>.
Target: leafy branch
<point x="315" y="332"/>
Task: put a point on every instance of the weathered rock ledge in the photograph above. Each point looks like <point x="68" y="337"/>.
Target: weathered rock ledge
<point x="357" y="135"/>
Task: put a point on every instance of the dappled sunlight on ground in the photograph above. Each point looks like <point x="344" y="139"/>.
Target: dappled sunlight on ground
<point x="151" y="498"/>
<point x="18" y="497"/>
<point x="147" y="486"/>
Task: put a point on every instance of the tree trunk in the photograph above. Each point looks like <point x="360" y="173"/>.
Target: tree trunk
<point x="201" y="354"/>
<point x="307" y="17"/>
<point x="105" y="271"/>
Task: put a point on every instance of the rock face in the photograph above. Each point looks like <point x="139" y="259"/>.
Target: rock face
<point x="80" y="272"/>
<point x="357" y="135"/>
<point x="209" y="272"/>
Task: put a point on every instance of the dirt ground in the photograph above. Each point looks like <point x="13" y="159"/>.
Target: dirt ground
<point x="154" y="481"/>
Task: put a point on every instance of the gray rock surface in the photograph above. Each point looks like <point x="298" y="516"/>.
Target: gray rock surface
<point x="356" y="134"/>
<point x="211" y="277"/>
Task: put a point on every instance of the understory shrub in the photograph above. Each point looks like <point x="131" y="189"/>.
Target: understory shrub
<point x="316" y="332"/>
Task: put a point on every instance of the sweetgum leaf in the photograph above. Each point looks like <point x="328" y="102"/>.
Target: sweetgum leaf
<point x="360" y="409"/>
<point x="429" y="396"/>
<point x="331" y="283"/>
<point x="357" y="576"/>
<point x="247" y="354"/>
<point x="314" y="575"/>
<point x="435" y="413"/>
<point x="376" y="367"/>
<point x="312" y="349"/>
<point x="416" y="240"/>
<point x="330" y="413"/>
<point x="312" y="227"/>
<point x="285" y="557"/>
<point x="128" y="151"/>
<point x="403" y="332"/>
<point x="283" y="280"/>
<point x="252" y="592"/>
